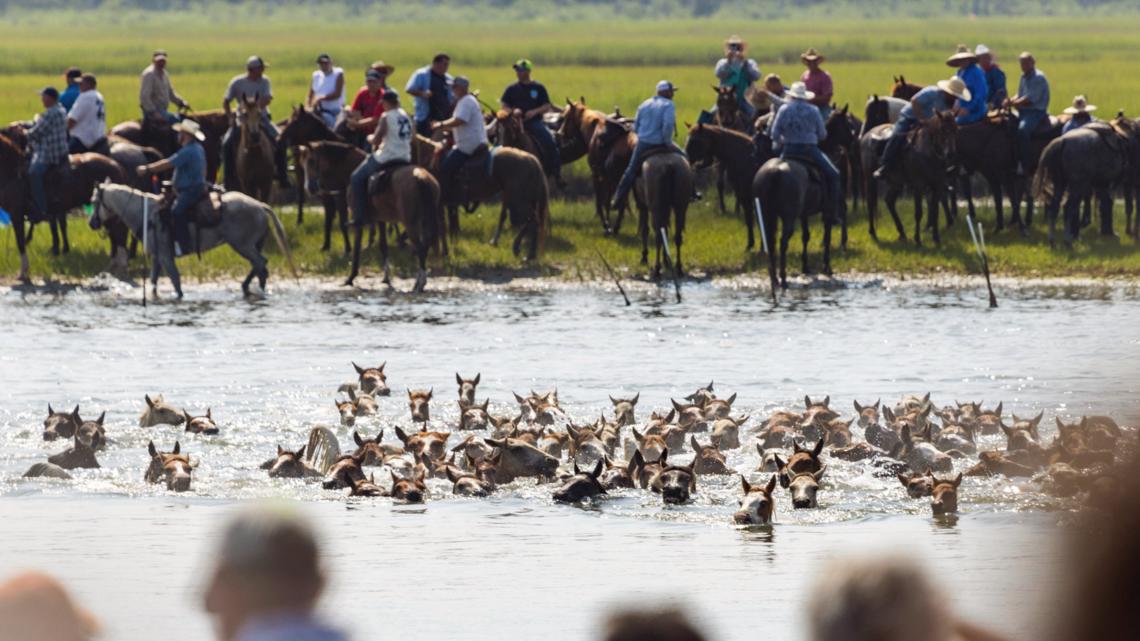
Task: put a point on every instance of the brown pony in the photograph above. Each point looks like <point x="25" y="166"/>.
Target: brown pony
<point x="301" y="128"/>
<point x="516" y="177"/>
<point x="662" y="192"/>
<point x="608" y="147"/>
<point x="328" y="168"/>
<point x="902" y="89"/>
<point x="254" y="154"/>
<point x="509" y="127"/>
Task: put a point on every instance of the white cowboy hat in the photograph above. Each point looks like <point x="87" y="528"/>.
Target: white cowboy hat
<point x="192" y="128"/>
<point x="1080" y="105"/>
<point x="799" y="91"/>
<point x="955" y="87"/>
<point x="981" y="50"/>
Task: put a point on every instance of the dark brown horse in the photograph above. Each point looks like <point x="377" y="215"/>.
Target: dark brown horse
<point x="72" y="190"/>
<point x="921" y="168"/>
<point x="842" y="146"/>
<point x="299" y="129"/>
<point x="989" y="148"/>
<point x="328" y="165"/>
<point x="158" y="135"/>
<point x="662" y="192"/>
<point x="731" y="150"/>
<point x="787" y="194"/>
<point x="730" y="116"/>
<point x="608" y="146"/>
<point x="903" y="89"/>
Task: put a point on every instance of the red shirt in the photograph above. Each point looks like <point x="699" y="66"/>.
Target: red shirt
<point x="368" y="106"/>
<point x="818" y="83"/>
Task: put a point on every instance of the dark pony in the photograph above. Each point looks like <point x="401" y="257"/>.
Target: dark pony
<point x="732" y="151"/>
<point x="989" y="148"/>
<point x="903" y="89"/>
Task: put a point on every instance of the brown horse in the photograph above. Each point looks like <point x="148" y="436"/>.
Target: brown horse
<point x="254" y="154"/>
<point x="663" y="189"/>
<point x="159" y="135"/>
<point x="328" y="169"/>
<point x="516" y="177"/>
<point x="511" y="133"/>
<point x="730" y="116"/>
<point x="732" y="150"/>
<point x="989" y="148"/>
<point x="73" y="190"/>
<point x="299" y="129"/>
<point x="412" y="201"/>
<point x="608" y="146"/>
<point x="903" y="89"/>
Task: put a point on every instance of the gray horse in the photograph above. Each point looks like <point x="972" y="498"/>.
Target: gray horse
<point x="664" y="187"/>
<point x="245" y="224"/>
<point x="1085" y="161"/>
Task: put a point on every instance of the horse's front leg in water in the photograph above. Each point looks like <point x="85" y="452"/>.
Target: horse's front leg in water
<point x="63" y="233"/>
<point x="384" y="263"/>
<point x="932" y="208"/>
<point x="53" y="225"/>
<point x="358" y="236"/>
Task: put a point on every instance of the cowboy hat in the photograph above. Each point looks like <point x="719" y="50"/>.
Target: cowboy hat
<point x="735" y="40"/>
<point x="190" y="127"/>
<point x="810" y="55"/>
<point x="981" y="50"/>
<point x="955" y="87"/>
<point x="962" y="55"/>
<point x="799" y="91"/>
<point x="383" y="67"/>
<point x="1080" y="105"/>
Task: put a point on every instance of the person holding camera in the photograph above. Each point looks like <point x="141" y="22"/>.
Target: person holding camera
<point x="736" y="71"/>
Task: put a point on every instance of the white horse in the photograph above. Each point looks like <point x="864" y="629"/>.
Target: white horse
<point x="244" y="226"/>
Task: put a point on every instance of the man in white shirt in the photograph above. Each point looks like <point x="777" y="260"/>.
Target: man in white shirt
<point x="87" y="120"/>
<point x="469" y="132"/>
<point x="326" y="92"/>
<point x="393" y="147"/>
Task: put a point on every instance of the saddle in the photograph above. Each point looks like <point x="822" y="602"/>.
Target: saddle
<point x="382" y="180"/>
<point x="1115" y="139"/>
<point x="612" y="130"/>
<point x="479" y="166"/>
<point x="815" y="174"/>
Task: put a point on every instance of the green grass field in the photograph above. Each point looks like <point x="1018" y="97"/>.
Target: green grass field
<point x="611" y="64"/>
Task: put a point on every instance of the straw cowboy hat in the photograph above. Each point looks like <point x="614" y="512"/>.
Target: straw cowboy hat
<point x="1080" y="105"/>
<point x="735" y="40"/>
<point x="955" y="87"/>
<point x="383" y="67"/>
<point x="810" y="55"/>
<point x="963" y="55"/>
<point x="799" y="91"/>
<point x="192" y="128"/>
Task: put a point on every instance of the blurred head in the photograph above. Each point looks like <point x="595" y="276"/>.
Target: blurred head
<point x="734" y="45"/>
<point x="268" y="563"/>
<point x="774" y="84"/>
<point x="374" y="80"/>
<point x="461" y="86"/>
<point x="72" y="75"/>
<point x="522" y="68"/>
<point x="650" y="625"/>
<point x="255" y="66"/>
<point x="159" y="59"/>
<point x="35" y="607"/>
<point x="88" y="82"/>
<point x="876" y="599"/>
<point x="391" y="99"/>
<point x="1027" y="61"/>
<point x="49" y="96"/>
<point x="666" y="89"/>
<point x="324" y="62"/>
<point x="441" y="63"/>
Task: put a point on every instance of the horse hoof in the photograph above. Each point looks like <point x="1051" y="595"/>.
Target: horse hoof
<point x="348" y="283"/>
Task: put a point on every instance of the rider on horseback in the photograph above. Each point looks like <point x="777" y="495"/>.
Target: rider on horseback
<point x="529" y="100"/>
<point x="368" y="106"/>
<point x="190" y="186"/>
<point x="48" y="140"/>
<point x="1081" y="113"/>
<point x="253" y="82"/>
<point x="470" y="136"/>
<point x="738" y="72"/>
<point x="797" y="130"/>
<point x="1032" y="104"/>
<point x="925" y="105"/>
<point x="974" y="109"/>
<point x="393" y="148"/>
<point x="654" y="125"/>
<point x="817" y="81"/>
<point x="996" y="93"/>
<point x="155" y="91"/>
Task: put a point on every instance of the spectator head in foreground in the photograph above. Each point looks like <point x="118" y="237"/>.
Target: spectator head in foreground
<point x="35" y="607"/>
<point x="650" y="625"/>
<point x="268" y="578"/>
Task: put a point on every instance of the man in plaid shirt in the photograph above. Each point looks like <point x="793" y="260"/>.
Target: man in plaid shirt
<point x="48" y="140"/>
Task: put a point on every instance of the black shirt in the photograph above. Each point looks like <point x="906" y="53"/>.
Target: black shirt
<point x="439" y="103"/>
<point x="525" y="97"/>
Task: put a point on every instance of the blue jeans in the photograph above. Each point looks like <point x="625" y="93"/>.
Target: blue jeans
<point x="896" y="141"/>
<point x="423" y="128"/>
<point x="830" y="173"/>
<point x="36" y="172"/>
<point x="639" y="152"/>
<point x="547" y="145"/>
<point x="170" y="117"/>
<point x="449" y="168"/>
<point x="184" y="201"/>
<point x="1027" y="122"/>
<point x="359" y="186"/>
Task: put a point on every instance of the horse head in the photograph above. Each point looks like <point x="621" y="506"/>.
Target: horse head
<point x="839" y="133"/>
<point x="700" y="146"/>
<point x="251" y="119"/>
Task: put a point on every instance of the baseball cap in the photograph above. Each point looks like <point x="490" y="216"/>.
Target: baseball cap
<point x="665" y="85"/>
<point x="159" y="54"/>
<point x="391" y="96"/>
<point x="255" y="61"/>
<point x="324" y="57"/>
<point x="72" y="72"/>
<point x="50" y="91"/>
<point x="373" y="74"/>
<point x="461" y="81"/>
<point x="522" y="64"/>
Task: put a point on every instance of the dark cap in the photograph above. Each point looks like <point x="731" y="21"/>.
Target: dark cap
<point x="373" y="74"/>
<point x="439" y="57"/>
<point x="159" y="54"/>
<point x="50" y="92"/>
<point x="324" y="57"/>
<point x="391" y="96"/>
<point x="461" y="81"/>
<point x="89" y="78"/>
<point x="72" y="72"/>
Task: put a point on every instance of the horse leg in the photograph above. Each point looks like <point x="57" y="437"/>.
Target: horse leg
<point x="827" y="248"/>
<point x="1086" y="211"/>
<point x="872" y="207"/>
<point x="918" y="218"/>
<point x="63" y="233"/>
<point x="421" y="260"/>
<point x="657" y="257"/>
<point x="843" y="223"/>
<point x="1070" y="221"/>
<point x="171" y="268"/>
<point x="53" y="225"/>
<point x="21" y="246"/>
<point x="643" y="229"/>
<point x="532" y="252"/>
<point x="499" y="229"/>
<point x="358" y="236"/>
<point x="720" y="188"/>
<point x="384" y="263"/>
<point x="342" y="213"/>
<point x="932" y="208"/>
<point x="805" y="234"/>
<point x="892" y="200"/>
<point x="622" y="206"/>
<point x="600" y="204"/>
<point x="747" y="223"/>
<point x="1104" y="196"/>
<point x="330" y="215"/>
<point x="784" y="238"/>
<point x="677" y="243"/>
<point x="453" y="221"/>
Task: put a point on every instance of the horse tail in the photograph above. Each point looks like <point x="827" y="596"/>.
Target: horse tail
<point x="278" y="231"/>
<point x="1047" y="169"/>
<point x="431" y="214"/>
<point x="323" y="449"/>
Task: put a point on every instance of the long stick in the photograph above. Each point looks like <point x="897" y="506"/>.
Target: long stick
<point x="760" y="223"/>
<point x="146" y="256"/>
<point x="669" y="262"/>
<point x="614" y="276"/>
<point x="980" y="248"/>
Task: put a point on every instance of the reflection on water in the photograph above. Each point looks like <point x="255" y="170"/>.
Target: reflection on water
<point x="460" y="567"/>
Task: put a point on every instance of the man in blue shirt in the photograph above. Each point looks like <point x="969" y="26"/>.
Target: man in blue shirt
<point x="1032" y="104"/>
<point x="797" y="131"/>
<point x="1081" y="113"/>
<point x="654" y="125"/>
<point x="431" y="87"/>
<point x="71" y="92"/>
<point x="528" y="99"/>
<point x="996" y="93"/>
<point x="189" y="165"/>
<point x="47" y="138"/>
<point x="925" y="105"/>
<point x="974" y="109"/>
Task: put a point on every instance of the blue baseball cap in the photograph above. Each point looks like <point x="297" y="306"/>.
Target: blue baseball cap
<point x="665" y="85"/>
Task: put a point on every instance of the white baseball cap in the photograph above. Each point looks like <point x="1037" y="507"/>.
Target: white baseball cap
<point x="981" y="50"/>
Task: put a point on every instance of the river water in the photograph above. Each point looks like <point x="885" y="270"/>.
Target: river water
<point x="518" y="563"/>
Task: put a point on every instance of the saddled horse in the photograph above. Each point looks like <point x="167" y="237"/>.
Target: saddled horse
<point x="842" y="146"/>
<point x="921" y="168"/>
<point x="1083" y="162"/>
<point x="663" y="191"/>
<point x="732" y="150"/>
<point x="155" y="132"/>
<point x="881" y="111"/>
<point x="411" y="200"/>
<point x="513" y="175"/>
<point x="254" y="154"/>
<point x="158" y="135"/>
<point x="903" y="89"/>
<point x="65" y="193"/>
<point x="510" y="132"/>
<point x="608" y="145"/>
<point x="1130" y="184"/>
<point x="788" y="192"/>
<point x="989" y="147"/>
<point x="245" y="223"/>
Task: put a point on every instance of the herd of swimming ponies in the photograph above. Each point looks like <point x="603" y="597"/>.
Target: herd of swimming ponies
<point x="585" y="461"/>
